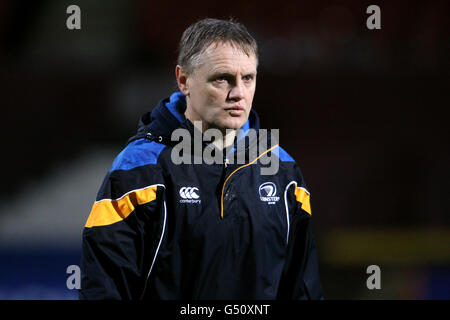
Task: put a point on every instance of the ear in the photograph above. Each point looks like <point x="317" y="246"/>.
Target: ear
<point x="182" y="77"/>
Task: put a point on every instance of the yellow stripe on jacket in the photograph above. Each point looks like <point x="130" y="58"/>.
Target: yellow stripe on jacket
<point x="107" y="211"/>
<point x="302" y="196"/>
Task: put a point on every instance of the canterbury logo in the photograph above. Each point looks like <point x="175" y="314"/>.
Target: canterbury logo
<point x="268" y="192"/>
<point x="189" y="195"/>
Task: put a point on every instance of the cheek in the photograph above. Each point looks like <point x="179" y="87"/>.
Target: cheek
<point x="215" y="97"/>
<point x="200" y="98"/>
<point x="207" y="102"/>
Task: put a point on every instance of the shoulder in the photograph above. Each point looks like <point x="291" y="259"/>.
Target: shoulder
<point x="282" y="154"/>
<point x="289" y="166"/>
<point x="136" y="167"/>
<point x="138" y="153"/>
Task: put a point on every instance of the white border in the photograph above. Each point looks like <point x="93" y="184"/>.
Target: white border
<point x="287" y="208"/>
<point x="159" y="244"/>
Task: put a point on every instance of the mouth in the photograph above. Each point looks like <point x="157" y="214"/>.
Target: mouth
<point x="235" y="110"/>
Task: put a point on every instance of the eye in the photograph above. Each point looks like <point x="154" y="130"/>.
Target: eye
<point x="221" y="79"/>
<point x="247" y="78"/>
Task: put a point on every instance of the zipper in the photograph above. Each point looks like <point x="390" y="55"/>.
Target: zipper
<point x="245" y="165"/>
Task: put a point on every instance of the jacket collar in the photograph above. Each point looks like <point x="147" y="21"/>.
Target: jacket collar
<point x="168" y="115"/>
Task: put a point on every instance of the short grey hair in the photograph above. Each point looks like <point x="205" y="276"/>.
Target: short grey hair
<point x="200" y="35"/>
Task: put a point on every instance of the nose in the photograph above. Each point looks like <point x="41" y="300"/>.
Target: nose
<point x="237" y="92"/>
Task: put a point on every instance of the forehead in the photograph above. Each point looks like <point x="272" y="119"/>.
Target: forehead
<point x="224" y="57"/>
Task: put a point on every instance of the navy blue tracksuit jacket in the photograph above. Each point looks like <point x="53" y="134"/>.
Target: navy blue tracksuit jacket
<point x="160" y="230"/>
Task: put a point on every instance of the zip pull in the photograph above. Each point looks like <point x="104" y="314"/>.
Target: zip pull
<point x="226" y="162"/>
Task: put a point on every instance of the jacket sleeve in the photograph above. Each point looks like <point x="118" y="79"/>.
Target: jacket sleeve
<point x="300" y="278"/>
<point x="122" y="235"/>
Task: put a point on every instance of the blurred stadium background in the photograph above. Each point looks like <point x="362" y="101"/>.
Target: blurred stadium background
<point x="363" y="112"/>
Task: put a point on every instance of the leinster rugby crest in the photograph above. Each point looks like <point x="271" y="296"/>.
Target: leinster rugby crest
<point x="268" y="193"/>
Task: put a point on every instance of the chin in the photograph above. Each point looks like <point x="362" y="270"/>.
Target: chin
<point x="234" y="123"/>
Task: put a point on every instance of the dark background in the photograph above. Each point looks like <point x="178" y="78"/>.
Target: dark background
<point x="362" y="111"/>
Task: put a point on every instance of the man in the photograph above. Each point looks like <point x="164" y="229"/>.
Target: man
<point x="161" y="229"/>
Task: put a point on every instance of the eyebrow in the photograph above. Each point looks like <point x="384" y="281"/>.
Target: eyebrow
<point x="221" y="73"/>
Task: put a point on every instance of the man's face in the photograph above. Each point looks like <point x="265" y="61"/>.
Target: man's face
<point x="220" y="90"/>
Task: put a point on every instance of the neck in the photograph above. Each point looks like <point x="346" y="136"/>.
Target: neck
<point x="227" y="134"/>
<point x="226" y="137"/>
<point x="227" y="140"/>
